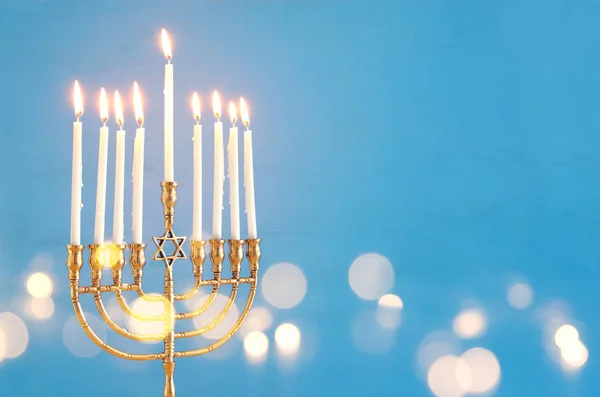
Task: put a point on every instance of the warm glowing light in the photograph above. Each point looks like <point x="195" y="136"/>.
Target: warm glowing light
<point x="284" y="285"/>
<point x="244" y="111"/>
<point x="40" y="285"/>
<point x="449" y="376"/>
<point x="469" y="324"/>
<point x="575" y="355"/>
<point x="288" y="338"/>
<point x="118" y="109"/>
<point x="256" y="346"/>
<point x="213" y="312"/>
<point x="259" y="319"/>
<point x="148" y="308"/>
<point x="232" y="113"/>
<point x="216" y="105"/>
<point x="166" y="44"/>
<point x="41" y="308"/>
<point x="103" y="106"/>
<point x="78" y="100"/>
<point x="565" y="336"/>
<point x="520" y="296"/>
<point x="3" y="343"/>
<point x="137" y="104"/>
<point x="485" y="370"/>
<point x="16" y="334"/>
<point x="371" y="276"/>
<point x="196" y="106"/>
<point x="390" y="301"/>
<point x="435" y="345"/>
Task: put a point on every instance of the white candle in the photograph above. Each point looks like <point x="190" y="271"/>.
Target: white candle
<point x="197" y="141"/>
<point x="119" y="174"/>
<point x="138" y="170"/>
<point x="219" y="171"/>
<point x="249" y="173"/>
<point x="168" y="92"/>
<point x="234" y="192"/>
<point x="102" y="164"/>
<point x="76" y="179"/>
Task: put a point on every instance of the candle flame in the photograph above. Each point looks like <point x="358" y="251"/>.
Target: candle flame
<point x="103" y="106"/>
<point x="196" y="106"/>
<point x="232" y="113"/>
<point x="217" y="105"/>
<point x="118" y="109"/>
<point x="137" y="104"/>
<point x="244" y="111"/>
<point x="78" y="100"/>
<point x="166" y="44"/>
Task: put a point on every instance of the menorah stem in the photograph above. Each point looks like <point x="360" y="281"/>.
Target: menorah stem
<point x="169" y="381"/>
<point x="168" y="361"/>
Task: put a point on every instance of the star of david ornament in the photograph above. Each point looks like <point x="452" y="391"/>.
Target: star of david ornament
<point x="160" y="253"/>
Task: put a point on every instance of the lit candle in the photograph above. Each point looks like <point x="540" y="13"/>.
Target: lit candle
<point x="169" y="172"/>
<point x="119" y="174"/>
<point x="234" y="192"/>
<point x="197" y="206"/>
<point x="219" y="171"/>
<point x="248" y="173"/>
<point x="76" y="180"/>
<point x="101" y="183"/>
<point x="138" y="169"/>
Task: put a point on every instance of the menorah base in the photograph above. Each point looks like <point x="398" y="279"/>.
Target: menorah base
<point x="169" y="381"/>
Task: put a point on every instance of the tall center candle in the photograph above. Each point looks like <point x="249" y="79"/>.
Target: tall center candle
<point x="119" y="174"/>
<point x="168" y="92"/>
<point x="76" y="179"/>
<point x="234" y="190"/>
<point x="219" y="171"/>
<point x="102" y="164"/>
<point x="197" y="141"/>
<point x="138" y="170"/>
<point x="249" y="173"/>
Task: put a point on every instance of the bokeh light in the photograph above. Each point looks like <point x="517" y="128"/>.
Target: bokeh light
<point x="3" y="343"/>
<point x="484" y="368"/>
<point x="435" y="345"/>
<point x="259" y="319"/>
<point x="565" y="336"/>
<point x="470" y="324"/>
<point x="574" y="355"/>
<point x="76" y="340"/>
<point x="284" y="285"/>
<point x="520" y="296"/>
<point x="371" y="276"/>
<point x="256" y="346"/>
<point x="368" y="336"/>
<point x="40" y="285"/>
<point x="449" y="376"/>
<point x="288" y="339"/>
<point x="143" y="307"/>
<point x="15" y="333"/>
<point x="388" y="311"/>
<point x="41" y="308"/>
<point x="212" y="313"/>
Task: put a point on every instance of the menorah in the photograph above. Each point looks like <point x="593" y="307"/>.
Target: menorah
<point x="100" y="254"/>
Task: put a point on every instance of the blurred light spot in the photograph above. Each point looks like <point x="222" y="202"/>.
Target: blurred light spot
<point x="392" y="301"/>
<point x="42" y="261"/>
<point x="40" y="285"/>
<point x="371" y="276"/>
<point x="449" y="376"/>
<point x="388" y="312"/>
<point x="574" y="355"/>
<point x="259" y="319"/>
<point x="288" y="339"/>
<point x="284" y="285"/>
<point x="469" y="324"/>
<point x="3" y="343"/>
<point x="520" y="296"/>
<point x="484" y="368"/>
<point x="16" y="334"/>
<point x="565" y="336"/>
<point x="435" y="345"/>
<point x="256" y="346"/>
<point x="41" y="308"/>
<point x="212" y="313"/>
<point x="76" y="340"/>
<point x="368" y="336"/>
<point x="144" y="307"/>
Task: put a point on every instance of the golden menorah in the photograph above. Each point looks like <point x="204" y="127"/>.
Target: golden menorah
<point x="100" y="254"/>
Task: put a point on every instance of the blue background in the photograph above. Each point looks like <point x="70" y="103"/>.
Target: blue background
<point x="459" y="139"/>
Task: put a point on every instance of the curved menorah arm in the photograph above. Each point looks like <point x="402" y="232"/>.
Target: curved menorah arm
<point x="216" y="321"/>
<point x="120" y="330"/>
<point x="142" y="317"/>
<point x="198" y="311"/>
<point x="227" y="336"/>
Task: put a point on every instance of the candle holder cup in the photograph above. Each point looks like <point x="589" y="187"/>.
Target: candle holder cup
<point x="98" y="258"/>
